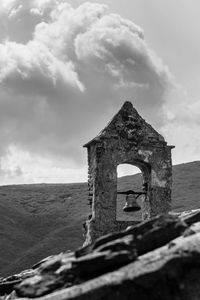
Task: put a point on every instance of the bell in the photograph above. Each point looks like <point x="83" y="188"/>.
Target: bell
<point x="131" y="204"/>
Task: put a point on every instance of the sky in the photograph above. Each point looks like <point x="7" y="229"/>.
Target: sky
<point x="66" y="67"/>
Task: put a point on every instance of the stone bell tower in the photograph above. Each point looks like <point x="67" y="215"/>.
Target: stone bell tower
<point x="127" y="139"/>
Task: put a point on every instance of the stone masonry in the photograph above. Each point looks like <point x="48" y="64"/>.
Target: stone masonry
<point x="127" y="139"/>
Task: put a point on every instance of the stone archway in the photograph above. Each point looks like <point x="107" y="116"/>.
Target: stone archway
<point x="146" y="171"/>
<point x="129" y="177"/>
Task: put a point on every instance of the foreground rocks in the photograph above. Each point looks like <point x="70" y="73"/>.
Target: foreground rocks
<point x="157" y="259"/>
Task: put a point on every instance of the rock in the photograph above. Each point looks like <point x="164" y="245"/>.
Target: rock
<point x="7" y="284"/>
<point x="148" y="235"/>
<point x="95" y="264"/>
<point x="38" y="286"/>
<point x="191" y="217"/>
<point x="62" y="271"/>
<point x="11" y="296"/>
<point x="163" y="274"/>
<point x="158" y="259"/>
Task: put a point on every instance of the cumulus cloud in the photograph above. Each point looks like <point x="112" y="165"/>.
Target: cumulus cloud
<point x="182" y="125"/>
<point x="65" y="71"/>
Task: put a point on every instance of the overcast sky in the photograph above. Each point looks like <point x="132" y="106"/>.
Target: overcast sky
<point x="66" y="67"/>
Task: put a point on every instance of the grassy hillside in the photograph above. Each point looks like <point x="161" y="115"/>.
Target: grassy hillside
<point x="39" y="220"/>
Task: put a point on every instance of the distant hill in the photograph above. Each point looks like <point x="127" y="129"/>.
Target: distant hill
<point x="44" y="219"/>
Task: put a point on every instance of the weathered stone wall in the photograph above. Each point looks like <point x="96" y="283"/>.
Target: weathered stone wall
<point x="91" y="166"/>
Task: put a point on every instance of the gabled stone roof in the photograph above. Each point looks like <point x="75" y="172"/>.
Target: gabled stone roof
<point x="127" y="124"/>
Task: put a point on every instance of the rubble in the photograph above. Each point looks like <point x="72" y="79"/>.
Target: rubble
<point x="157" y="259"/>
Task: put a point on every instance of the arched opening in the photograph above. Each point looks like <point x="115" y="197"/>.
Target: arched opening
<point x="129" y="178"/>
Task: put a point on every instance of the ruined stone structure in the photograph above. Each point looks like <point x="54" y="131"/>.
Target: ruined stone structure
<point x="127" y="139"/>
